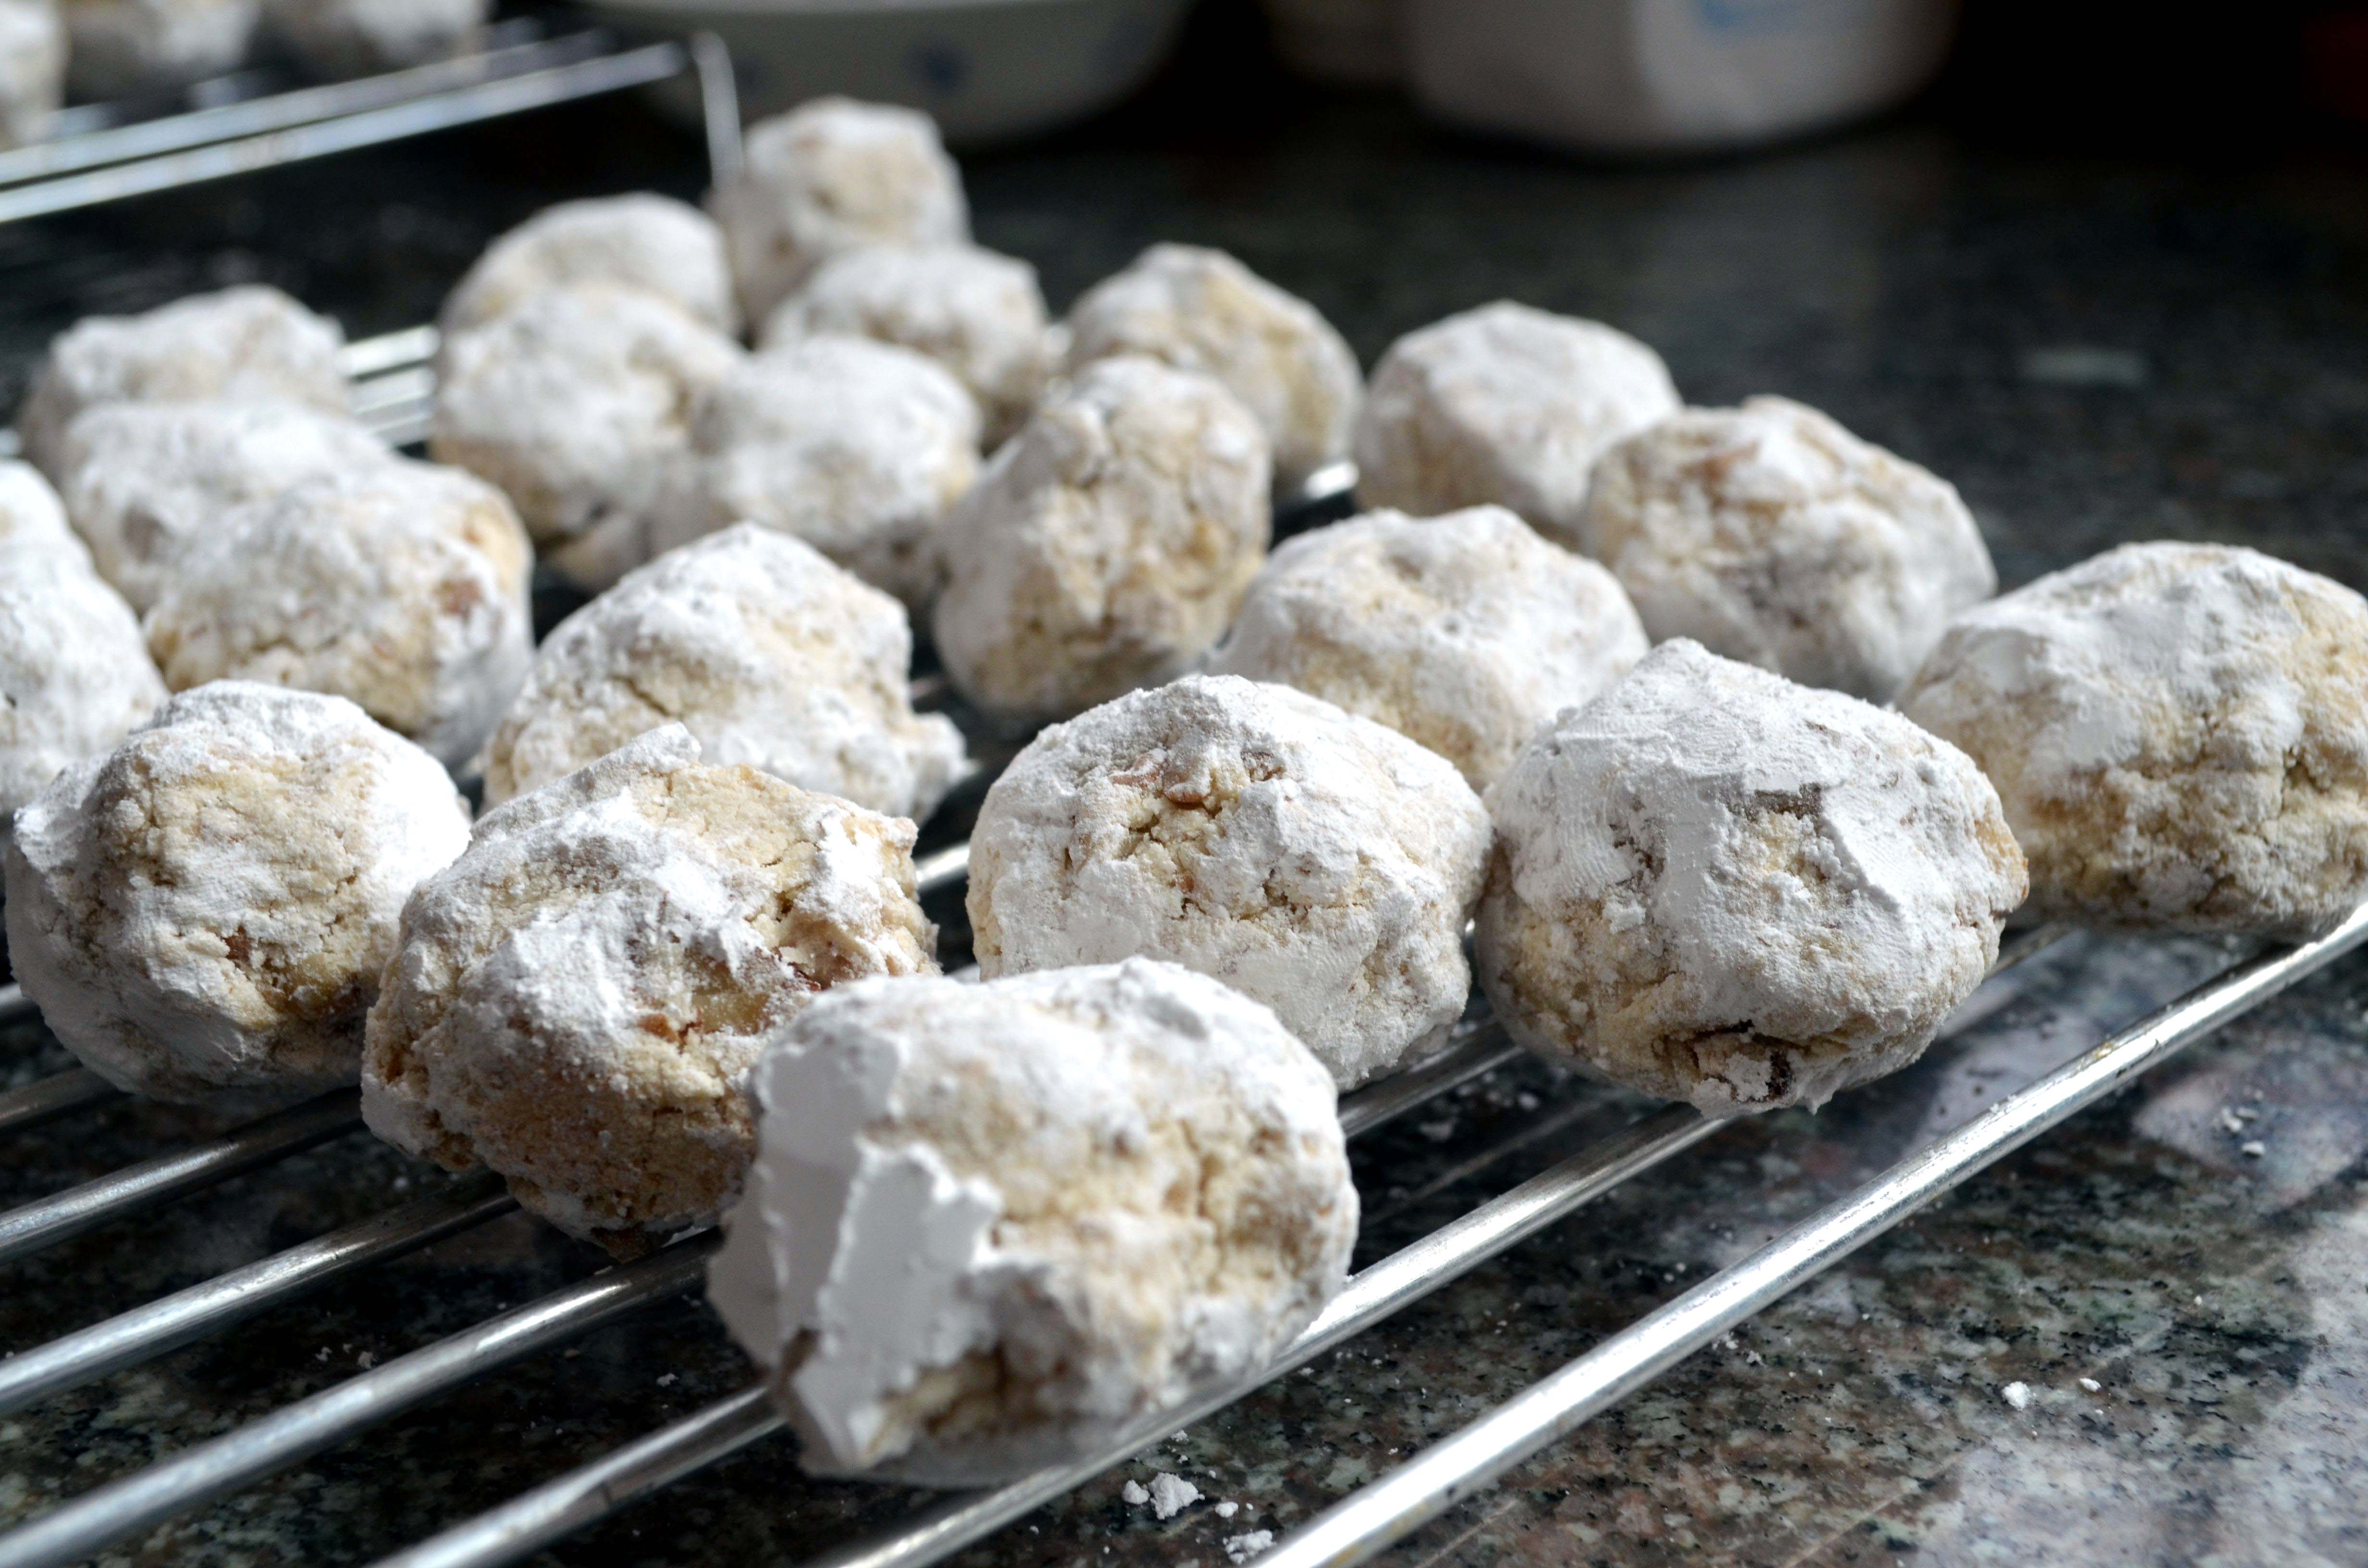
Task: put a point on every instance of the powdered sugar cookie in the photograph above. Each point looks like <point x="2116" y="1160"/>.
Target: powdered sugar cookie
<point x="991" y="1227"/>
<point x="2180" y="733"/>
<point x="204" y="912"/>
<point x="1467" y="632"/>
<point x="1711" y="884"/>
<point x="1313" y="860"/>
<point x="653" y="243"/>
<point x="576" y="1002"/>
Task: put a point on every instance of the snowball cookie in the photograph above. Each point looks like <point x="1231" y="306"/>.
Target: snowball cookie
<point x="1107" y="545"/>
<point x="246" y="344"/>
<point x="828" y="176"/>
<point x="1311" y="859"/>
<point x="204" y="912"/>
<point x="1201" y="309"/>
<point x="990" y="1228"/>
<point x="1712" y="885"/>
<point x="652" y="243"/>
<point x="360" y="37"/>
<point x="769" y="653"/>
<point x="574" y="401"/>
<point x="1504" y="403"/>
<point x="32" y="69"/>
<point x="1771" y="535"/>
<point x="1467" y="632"/>
<point x="32" y="518"/>
<point x="576" y="1001"/>
<point x="74" y="673"/>
<point x="979" y="314"/>
<point x="402" y="585"/>
<point x="149" y="484"/>
<point x="2180" y="733"/>
<point x="122" y="48"/>
<point x="857" y="448"/>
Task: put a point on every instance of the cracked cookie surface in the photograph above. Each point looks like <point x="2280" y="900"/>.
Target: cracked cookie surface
<point x="2179" y="734"/>
<point x="1313" y="860"/>
<point x="1712" y="885"/>
<point x="991" y="1226"/>
<point x="205" y="910"/>
<point x="576" y="1002"/>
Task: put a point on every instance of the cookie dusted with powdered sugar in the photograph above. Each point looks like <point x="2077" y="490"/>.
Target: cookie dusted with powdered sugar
<point x="1506" y="405"/>
<point x="125" y="47"/>
<point x="772" y="657"/>
<point x="361" y="38"/>
<point x="204" y="912"/>
<point x="653" y="243"/>
<point x="1311" y="859"/>
<point x="576" y="1002"/>
<point x="2180" y="733"/>
<point x="831" y="176"/>
<point x="992" y="1227"/>
<point x="244" y="344"/>
<point x="1769" y="534"/>
<point x="1201" y="309"/>
<point x="574" y="403"/>
<point x="32" y="517"/>
<point x="857" y="448"/>
<point x="402" y="585"/>
<point x="149" y="484"/>
<point x="1467" y="632"/>
<point x="1712" y="885"/>
<point x="979" y="314"/>
<point x="32" y="69"/>
<point x="1107" y="545"/>
<point x="74" y="672"/>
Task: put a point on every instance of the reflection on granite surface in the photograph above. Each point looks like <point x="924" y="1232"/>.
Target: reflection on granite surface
<point x="2093" y="351"/>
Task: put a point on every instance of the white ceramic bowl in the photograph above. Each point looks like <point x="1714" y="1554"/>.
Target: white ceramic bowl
<point x="988" y="70"/>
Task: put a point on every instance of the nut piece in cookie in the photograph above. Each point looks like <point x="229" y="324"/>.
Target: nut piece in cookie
<point x="1107" y="545"/>
<point x="979" y="314"/>
<point x="1467" y="632"/>
<point x="400" y="586"/>
<point x="828" y="176"/>
<point x="338" y="38"/>
<point x="1201" y="309"/>
<point x="576" y="1001"/>
<point x="32" y="69"/>
<point x="574" y="401"/>
<point x="857" y="448"/>
<point x="2179" y="734"/>
<point x="1311" y="859"/>
<point x="640" y="241"/>
<point x="990" y="1227"/>
<point x="770" y="655"/>
<point x="148" y="483"/>
<point x="74" y="673"/>
<point x="1769" y="534"/>
<point x="203" y="913"/>
<point x="1712" y="885"/>
<point x="246" y="344"/>
<point x="1505" y="405"/>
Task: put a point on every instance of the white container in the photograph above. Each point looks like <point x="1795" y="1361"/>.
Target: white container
<point x="988" y="70"/>
<point x="1635" y="76"/>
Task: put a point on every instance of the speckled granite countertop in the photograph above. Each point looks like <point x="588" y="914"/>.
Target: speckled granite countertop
<point x="2094" y="350"/>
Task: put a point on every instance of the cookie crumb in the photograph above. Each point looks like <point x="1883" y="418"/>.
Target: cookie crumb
<point x="2018" y="1395"/>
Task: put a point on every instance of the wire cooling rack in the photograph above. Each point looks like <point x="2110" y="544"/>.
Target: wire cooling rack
<point x="252" y="119"/>
<point x="394" y="386"/>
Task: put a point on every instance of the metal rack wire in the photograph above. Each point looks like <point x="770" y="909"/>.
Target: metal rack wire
<point x="100" y="154"/>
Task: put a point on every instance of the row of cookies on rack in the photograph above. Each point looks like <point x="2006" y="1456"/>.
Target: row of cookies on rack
<point x="1204" y="902"/>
